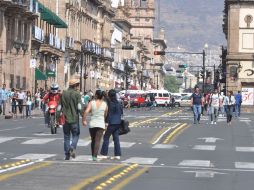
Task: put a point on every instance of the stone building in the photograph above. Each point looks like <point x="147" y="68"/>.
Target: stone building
<point x="16" y="18"/>
<point x="239" y="30"/>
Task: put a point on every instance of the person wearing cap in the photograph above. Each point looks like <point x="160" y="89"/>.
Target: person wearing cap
<point x="70" y="106"/>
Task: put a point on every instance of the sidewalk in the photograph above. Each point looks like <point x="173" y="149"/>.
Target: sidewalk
<point x="35" y="112"/>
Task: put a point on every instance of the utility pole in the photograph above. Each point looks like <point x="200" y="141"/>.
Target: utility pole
<point x="203" y="86"/>
<point x="157" y="82"/>
<point x="1" y="65"/>
<point x="81" y="69"/>
<point x="85" y="74"/>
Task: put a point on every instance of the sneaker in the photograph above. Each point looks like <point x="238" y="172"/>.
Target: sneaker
<point x="67" y="157"/>
<point x="116" y="158"/>
<point x="212" y="123"/>
<point x="102" y="157"/>
<point x="72" y="153"/>
<point x="94" y="158"/>
<point x="215" y="123"/>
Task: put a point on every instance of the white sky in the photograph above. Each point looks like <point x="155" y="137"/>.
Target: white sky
<point x="115" y="2"/>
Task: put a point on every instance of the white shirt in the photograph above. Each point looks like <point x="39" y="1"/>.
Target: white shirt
<point x="215" y="100"/>
<point x="222" y="100"/>
<point x="21" y="95"/>
<point x="229" y="102"/>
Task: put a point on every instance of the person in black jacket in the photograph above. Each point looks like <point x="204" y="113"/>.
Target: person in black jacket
<point x="115" y="111"/>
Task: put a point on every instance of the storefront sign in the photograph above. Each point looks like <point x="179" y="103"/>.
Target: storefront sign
<point x="33" y="63"/>
<point x="247" y="96"/>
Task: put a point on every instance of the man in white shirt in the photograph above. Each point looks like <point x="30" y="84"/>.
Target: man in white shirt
<point x="221" y="104"/>
<point x="21" y="98"/>
<point x="214" y="106"/>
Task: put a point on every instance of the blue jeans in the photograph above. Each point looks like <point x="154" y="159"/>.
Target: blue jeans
<point x="70" y="129"/>
<point x="214" y="113"/>
<point x="196" y="112"/>
<point x="237" y="110"/>
<point x="28" y="110"/>
<point x="114" y="131"/>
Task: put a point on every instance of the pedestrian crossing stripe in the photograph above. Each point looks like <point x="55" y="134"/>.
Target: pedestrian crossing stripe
<point x="38" y="141"/>
<point x="244" y="149"/>
<point x="123" y="144"/>
<point x="140" y="160"/>
<point x="5" y="139"/>
<point x="204" y="147"/>
<point x="83" y="143"/>
<point x="196" y="163"/>
<point x="244" y="165"/>
<point x="34" y="156"/>
<point x="164" y="146"/>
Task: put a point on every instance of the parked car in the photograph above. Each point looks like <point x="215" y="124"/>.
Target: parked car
<point x="186" y="101"/>
<point x="177" y="101"/>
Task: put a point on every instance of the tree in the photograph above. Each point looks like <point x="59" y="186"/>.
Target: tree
<point x="171" y="83"/>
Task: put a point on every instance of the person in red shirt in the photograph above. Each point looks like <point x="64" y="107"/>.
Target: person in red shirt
<point x="52" y="95"/>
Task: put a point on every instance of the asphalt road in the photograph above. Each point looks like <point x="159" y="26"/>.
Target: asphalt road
<point x="164" y="150"/>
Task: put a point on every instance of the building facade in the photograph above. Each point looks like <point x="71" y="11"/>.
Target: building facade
<point x="239" y="30"/>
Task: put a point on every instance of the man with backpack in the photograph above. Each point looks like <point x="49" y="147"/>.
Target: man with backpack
<point x="196" y="103"/>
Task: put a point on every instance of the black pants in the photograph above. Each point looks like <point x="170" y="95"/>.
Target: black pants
<point x="20" y="102"/>
<point x="96" y="135"/>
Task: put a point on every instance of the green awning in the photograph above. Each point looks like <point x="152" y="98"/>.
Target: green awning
<point x="50" y="17"/>
<point x="40" y="75"/>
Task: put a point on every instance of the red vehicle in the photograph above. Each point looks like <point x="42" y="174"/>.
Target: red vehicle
<point x="136" y="99"/>
<point x="52" y="106"/>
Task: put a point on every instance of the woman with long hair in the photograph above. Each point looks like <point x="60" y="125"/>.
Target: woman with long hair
<point x="229" y="105"/>
<point x="98" y="109"/>
<point x="115" y="111"/>
<point x="28" y="104"/>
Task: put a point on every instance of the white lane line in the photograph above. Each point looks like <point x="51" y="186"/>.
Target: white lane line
<point x="12" y="129"/>
<point x="34" y="156"/>
<point x="244" y="149"/>
<point x="140" y="160"/>
<point x="82" y="142"/>
<point x="204" y="147"/>
<point x="123" y="144"/>
<point x="164" y="146"/>
<point x="83" y="158"/>
<point x="196" y="163"/>
<point x="5" y="139"/>
<point x="159" y="138"/>
<point x="16" y="167"/>
<point x="38" y="141"/>
<point x="244" y="165"/>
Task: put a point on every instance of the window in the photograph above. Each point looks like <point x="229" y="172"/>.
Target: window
<point x="19" y="30"/>
<point x="165" y="95"/>
<point x="160" y="94"/>
<point x="24" y="82"/>
<point x="11" y="81"/>
<point x="18" y="82"/>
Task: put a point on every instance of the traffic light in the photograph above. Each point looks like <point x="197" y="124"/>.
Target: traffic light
<point x="201" y="73"/>
<point x="208" y="74"/>
<point x="159" y="52"/>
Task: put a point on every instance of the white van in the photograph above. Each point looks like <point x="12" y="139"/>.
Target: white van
<point x="162" y="97"/>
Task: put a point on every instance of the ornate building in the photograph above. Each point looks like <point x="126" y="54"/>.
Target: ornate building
<point x="16" y="18"/>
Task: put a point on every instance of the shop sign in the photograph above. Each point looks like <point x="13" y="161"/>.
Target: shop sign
<point x="247" y="96"/>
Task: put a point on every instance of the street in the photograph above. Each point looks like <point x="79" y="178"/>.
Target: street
<point x="164" y="150"/>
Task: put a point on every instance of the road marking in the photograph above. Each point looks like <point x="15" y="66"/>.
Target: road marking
<point x="162" y="133"/>
<point x="92" y="179"/>
<point x="140" y="160"/>
<point x="10" y="166"/>
<point x="83" y="158"/>
<point x="244" y="149"/>
<point x="204" y="174"/>
<point x="123" y="144"/>
<point x="42" y="134"/>
<point x="244" y="165"/>
<point x="204" y="147"/>
<point x="164" y="146"/>
<point x="210" y="139"/>
<point x="27" y="170"/>
<point x="34" y="156"/>
<point x="129" y="179"/>
<point x="82" y="142"/>
<point x="174" y="133"/>
<point x="38" y="141"/>
<point x="196" y="163"/>
<point x="12" y="129"/>
<point x="5" y="139"/>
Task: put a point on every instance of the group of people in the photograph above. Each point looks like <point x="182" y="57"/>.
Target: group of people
<point x="214" y="103"/>
<point x="106" y="112"/>
<point x="17" y="100"/>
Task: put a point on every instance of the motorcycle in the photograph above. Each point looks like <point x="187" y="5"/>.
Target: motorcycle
<point x="52" y="124"/>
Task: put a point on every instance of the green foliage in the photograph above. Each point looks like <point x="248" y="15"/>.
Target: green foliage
<point x="171" y="83"/>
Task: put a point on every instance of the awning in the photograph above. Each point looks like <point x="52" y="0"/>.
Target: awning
<point x="40" y="75"/>
<point x="50" y="17"/>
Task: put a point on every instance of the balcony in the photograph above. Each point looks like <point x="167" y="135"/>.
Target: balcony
<point x="107" y="54"/>
<point x="29" y="7"/>
<point x="38" y="34"/>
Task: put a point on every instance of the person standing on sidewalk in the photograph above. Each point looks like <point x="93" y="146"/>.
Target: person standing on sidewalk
<point x="196" y="104"/>
<point x="115" y="112"/>
<point x="214" y="106"/>
<point x="238" y="103"/>
<point x="229" y="105"/>
<point x="99" y="109"/>
<point x="3" y="99"/>
<point x="29" y="101"/>
<point x="70" y="106"/>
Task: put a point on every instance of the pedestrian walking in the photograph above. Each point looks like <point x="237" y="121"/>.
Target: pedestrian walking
<point x="115" y="112"/>
<point x="214" y="106"/>
<point x="29" y="101"/>
<point x="98" y="109"/>
<point x="229" y="105"/>
<point x="21" y="98"/>
<point x="14" y="103"/>
<point x="196" y="104"/>
<point x="221" y="104"/>
<point x="4" y="94"/>
<point x="238" y="103"/>
<point x="70" y="106"/>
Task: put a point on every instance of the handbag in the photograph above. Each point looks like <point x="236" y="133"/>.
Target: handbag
<point x="124" y="127"/>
